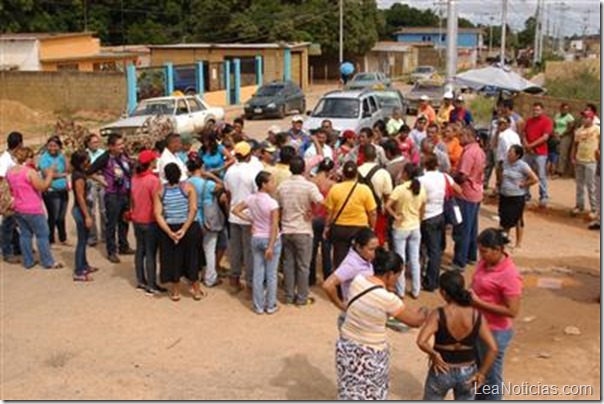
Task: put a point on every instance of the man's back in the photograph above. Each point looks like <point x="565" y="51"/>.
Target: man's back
<point x="295" y="196"/>
<point x="381" y="181"/>
<point x="239" y="180"/>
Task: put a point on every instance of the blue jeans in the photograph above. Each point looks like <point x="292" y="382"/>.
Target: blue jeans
<point x="147" y="243"/>
<point x="115" y="207"/>
<point x="438" y="385"/>
<point x="56" y="208"/>
<point x="539" y="166"/>
<point x="81" y="263"/>
<point x="432" y="235"/>
<point x="494" y="378"/>
<point x="318" y="226"/>
<point x="265" y="271"/>
<point x="465" y="235"/>
<point x="407" y="244"/>
<point x="9" y="226"/>
<point x="30" y="226"/>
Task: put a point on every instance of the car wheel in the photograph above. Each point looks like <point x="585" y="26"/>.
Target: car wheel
<point x="282" y="111"/>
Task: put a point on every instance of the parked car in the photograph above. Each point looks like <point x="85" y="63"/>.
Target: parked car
<point x="391" y="99"/>
<point x="346" y="109"/>
<point x="374" y="81"/>
<point x="423" y="73"/>
<point x="189" y="114"/>
<point x="275" y="100"/>
<point x="433" y="90"/>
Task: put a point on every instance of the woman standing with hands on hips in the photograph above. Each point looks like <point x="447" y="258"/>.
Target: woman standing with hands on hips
<point x="496" y="292"/>
<point x="175" y="211"/>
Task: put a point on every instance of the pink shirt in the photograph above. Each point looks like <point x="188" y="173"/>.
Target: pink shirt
<point x="472" y="164"/>
<point x="26" y="199"/>
<point x="260" y="206"/>
<point x="143" y="187"/>
<point x="494" y="285"/>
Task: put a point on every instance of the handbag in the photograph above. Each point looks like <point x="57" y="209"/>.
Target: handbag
<point x="335" y="219"/>
<point x="213" y="217"/>
<point x="452" y="210"/>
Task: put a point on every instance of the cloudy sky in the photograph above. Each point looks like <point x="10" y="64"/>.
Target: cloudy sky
<point x="576" y="14"/>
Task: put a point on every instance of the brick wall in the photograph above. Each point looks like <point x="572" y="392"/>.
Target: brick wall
<point x="65" y="91"/>
<point x="523" y="104"/>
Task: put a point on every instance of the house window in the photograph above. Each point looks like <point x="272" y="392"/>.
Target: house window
<point x="104" y="66"/>
<point x="68" y="67"/>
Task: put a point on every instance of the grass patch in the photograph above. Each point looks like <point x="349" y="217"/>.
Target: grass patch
<point x="482" y="109"/>
<point x="585" y="85"/>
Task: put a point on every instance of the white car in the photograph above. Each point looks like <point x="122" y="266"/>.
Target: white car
<point x="188" y="113"/>
<point x="348" y="109"/>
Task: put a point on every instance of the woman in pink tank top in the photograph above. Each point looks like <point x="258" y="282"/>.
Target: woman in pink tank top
<point x="26" y="187"/>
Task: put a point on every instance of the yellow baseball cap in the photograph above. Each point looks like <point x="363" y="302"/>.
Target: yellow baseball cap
<point x="243" y="148"/>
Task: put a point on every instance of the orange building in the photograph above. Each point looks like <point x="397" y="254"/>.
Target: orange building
<point x="79" y="51"/>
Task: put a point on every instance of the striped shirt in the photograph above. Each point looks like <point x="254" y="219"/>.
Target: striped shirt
<point x="366" y="317"/>
<point x="296" y="196"/>
<point x="176" y="205"/>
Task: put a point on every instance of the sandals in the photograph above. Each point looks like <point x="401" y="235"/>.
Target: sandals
<point x="85" y="277"/>
<point x="56" y="265"/>
<point x="175" y="297"/>
<point x="91" y="269"/>
<point x="200" y="294"/>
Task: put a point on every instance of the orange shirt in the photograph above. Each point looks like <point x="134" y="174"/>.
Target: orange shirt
<point x="429" y="113"/>
<point x="454" y="150"/>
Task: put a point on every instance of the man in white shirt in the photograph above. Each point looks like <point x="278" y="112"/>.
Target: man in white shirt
<point x="321" y="141"/>
<point x="170" y="155"/>
<point x="239" y="182"/>
<point x="14" y="142"/>
<point x="419" y="133"/>
<point x="380" y="182"/>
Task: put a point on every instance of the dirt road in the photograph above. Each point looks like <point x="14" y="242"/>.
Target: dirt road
<point x="105" y="340"/>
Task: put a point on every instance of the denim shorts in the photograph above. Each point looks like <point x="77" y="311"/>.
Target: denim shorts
<point x="456" y="379"/>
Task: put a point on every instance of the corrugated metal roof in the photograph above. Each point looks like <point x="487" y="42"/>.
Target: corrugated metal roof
<point x="232" y="45"/>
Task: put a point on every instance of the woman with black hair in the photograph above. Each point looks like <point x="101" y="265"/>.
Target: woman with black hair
<point x="362" y="354"/>
<point x="350" y="207"/>
<point x="56" y="197"/>
<point x="457" y="327"/>
<point x="407" y="205"/>
<point x="516" y="178"/>
<point x="216" y="159"/>
<point x="323" y="179"/>
<point x="82" y="214"/>
<point x="176" y="211"/>
<point x="496" y="292"/>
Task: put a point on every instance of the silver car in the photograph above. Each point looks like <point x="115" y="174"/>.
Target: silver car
<point x="422" y="73"/>
<point x="433" y="90"/>
<point x="374" y="81"/>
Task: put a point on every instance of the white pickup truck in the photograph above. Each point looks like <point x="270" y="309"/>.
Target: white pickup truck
<point x="188" y="113"/>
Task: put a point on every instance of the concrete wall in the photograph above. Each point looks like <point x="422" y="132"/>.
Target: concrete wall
<point x="523" y="104"/>
<point x="564" y="70"/>
<point x="65" y="91"/>
<point x="23" y="54"/>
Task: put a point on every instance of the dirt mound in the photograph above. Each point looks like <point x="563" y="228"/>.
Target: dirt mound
<point x="17" y="116"/>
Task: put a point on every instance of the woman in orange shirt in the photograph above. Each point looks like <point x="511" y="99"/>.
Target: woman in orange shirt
<point x="454" y="148"/>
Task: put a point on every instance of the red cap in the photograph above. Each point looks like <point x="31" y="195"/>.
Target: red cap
<point x="588" y="113"/>
<point x="349" y="134"/>
<point x="147" y="156"/>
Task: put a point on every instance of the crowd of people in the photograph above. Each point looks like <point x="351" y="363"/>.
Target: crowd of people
<point x="370" y="209"/>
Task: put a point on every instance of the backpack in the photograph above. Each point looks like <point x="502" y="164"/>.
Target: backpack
<point x="213" y="217"/>
<point x="367" y="181"/>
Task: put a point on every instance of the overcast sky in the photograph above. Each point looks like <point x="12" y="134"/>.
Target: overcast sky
<point x="576" y="15"/>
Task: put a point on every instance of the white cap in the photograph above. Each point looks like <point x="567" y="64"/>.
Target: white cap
<point x="424" y="98"/>
<point x="459" y="98"/>
<point x="448" y="95"/>
<point x="274" y="129"/>
<point x="297" y="118"/>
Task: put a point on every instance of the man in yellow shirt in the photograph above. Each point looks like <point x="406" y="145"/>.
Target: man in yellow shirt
<point x="444" y="112"/>
<point x="587" y="139"/>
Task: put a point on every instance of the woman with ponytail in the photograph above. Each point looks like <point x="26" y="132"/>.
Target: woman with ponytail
<point x="407" y="205"/>
<point x="496" y="292"/>
<point x="457" y="328"/>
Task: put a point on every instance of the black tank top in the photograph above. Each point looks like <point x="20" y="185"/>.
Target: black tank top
<point x="443" y="337"/>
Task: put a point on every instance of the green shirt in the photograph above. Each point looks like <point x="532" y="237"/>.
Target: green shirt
<point x="561" y="123"/>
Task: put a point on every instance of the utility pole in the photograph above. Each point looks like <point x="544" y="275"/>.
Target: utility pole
<point x="504" y="27"/>
<point x="491" y="18"/>
<point x="341" y="31"/>
<point x="451" y="43"/>
<point x="562" y="9"/>
<point x="536" y="43"/>
<point x="541" y="30"/>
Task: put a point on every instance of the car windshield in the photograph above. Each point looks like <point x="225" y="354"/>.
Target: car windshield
<point x="155" y="107"/>
<point x="268" y="91"/>
<point x="423" y="69"/>
<point x="343" y="108"/>
<point x="389" y="99"/>
<point x="426" y="88"/>
<point x="364" y="77"/>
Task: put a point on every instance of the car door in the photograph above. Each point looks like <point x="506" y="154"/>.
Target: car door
<point x="183" y="117"/>
<point x="376" y="110"/>
<point x="298" y="98"/>
<point x="198" y="113"/>
<point x="366" y="114"/>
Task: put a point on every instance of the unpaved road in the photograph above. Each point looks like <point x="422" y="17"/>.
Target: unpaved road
<point x="105" y="340"/>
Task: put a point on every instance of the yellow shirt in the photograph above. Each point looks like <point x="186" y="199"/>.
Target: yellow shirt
<point x="587" y="143"/>
<point x="281" y="173"/>
<point x="356" y="212"/>
<point x="444" y="114"/>
<point x="408" y="206"/>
